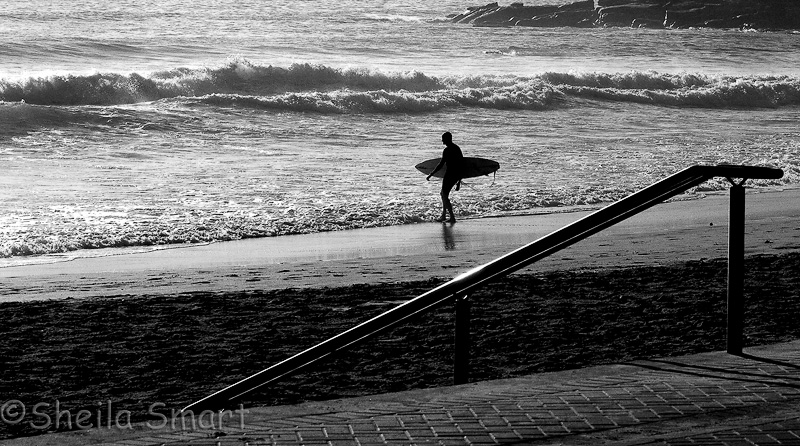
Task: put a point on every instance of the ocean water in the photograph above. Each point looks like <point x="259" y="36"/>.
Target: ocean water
<point x="150" y="124"/>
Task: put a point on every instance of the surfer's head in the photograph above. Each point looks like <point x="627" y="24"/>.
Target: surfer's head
<point x="447" y="137"/>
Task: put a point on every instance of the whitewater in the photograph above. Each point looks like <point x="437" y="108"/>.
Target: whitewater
<point x="161" y="124"/>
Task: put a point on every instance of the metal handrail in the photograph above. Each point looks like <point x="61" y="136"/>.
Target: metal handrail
<point x="477" y="277"/>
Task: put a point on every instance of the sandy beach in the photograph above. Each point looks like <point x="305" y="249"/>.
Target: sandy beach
<point x="171" y="326"/>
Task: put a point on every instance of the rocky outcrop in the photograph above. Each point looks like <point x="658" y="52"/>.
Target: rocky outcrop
<point x="758" y="14"/>
<point x="626" y="15"/>
<point x="559" y="19"/>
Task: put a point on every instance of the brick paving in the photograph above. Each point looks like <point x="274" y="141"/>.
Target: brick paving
<point x="705" y="399"/>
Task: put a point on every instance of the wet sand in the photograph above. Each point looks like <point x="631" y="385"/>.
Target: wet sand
<point x="682" y="230"/>
<point x="155" y="330"/>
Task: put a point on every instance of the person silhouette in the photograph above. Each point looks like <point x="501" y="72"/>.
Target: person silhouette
<point x="452" y="160"/>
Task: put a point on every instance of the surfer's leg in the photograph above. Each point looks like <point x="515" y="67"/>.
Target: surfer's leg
<point x="452" y="215"/>
<point x="443" y="217"/>
<point x="447" y="206"/>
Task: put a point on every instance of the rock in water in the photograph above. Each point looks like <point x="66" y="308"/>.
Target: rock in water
<point x="759" y="14"/>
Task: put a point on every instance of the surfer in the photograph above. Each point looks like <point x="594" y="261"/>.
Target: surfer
<point x="453" y="159"/>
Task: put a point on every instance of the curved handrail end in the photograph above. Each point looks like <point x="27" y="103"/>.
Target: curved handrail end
<point x="749" y="172"/>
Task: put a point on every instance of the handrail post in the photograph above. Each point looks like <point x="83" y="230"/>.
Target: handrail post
<point x="462" y="341"/>
<point x="736" y="269"/>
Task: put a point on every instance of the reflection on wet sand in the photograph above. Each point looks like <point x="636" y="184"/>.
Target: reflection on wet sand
<point x="447" y="236"/>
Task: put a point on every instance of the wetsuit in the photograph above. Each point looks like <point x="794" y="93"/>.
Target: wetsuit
<point x="453" y="159"/>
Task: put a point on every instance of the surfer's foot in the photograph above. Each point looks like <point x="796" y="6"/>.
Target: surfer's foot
<point x="452" y="219"/>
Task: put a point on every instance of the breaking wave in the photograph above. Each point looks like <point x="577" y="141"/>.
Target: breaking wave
<point x="324" y="89"/>
<point x="382" y="101"/>
<point x="236" y="77"/>
<point x="683" y="90"/>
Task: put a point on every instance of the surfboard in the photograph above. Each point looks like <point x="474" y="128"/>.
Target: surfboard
<point x="473" y="167"/>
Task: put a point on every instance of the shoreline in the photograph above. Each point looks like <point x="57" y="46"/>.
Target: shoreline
<point x="677" y="230"/>
<point x="84" y="254"/>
